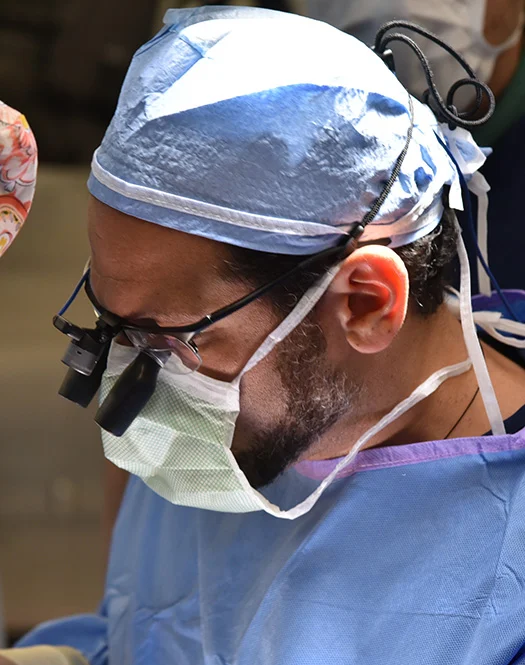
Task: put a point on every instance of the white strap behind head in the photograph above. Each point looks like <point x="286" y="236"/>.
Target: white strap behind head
<point x="475" y="352"/>
<point x="506" y="331"/>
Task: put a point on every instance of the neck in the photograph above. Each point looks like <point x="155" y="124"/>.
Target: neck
<point x="393" y="375"/>
<point x="449" y="410"/>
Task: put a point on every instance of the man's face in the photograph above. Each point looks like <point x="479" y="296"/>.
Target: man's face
<point x="149" y="274"/>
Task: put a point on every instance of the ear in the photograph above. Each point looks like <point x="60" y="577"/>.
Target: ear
<point x="370" y="296"/>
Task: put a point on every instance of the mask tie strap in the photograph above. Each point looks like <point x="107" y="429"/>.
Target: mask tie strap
<point x="473" y="344"/>
<point x="496" y="325"/>
<point x="424" y="390"/>
<point x="300" y="311"/>
<point x="492" y="322"/>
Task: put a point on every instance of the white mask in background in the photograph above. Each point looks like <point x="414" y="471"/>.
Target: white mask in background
<point x="459" y="23"/>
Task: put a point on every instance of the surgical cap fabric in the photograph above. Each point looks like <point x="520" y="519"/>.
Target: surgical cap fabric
<point x="18" y="165"/>
<point x="269" y="131"/>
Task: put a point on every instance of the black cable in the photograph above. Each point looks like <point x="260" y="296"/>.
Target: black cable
<point x="371" y="214"/>
<point x="446" y="110"/>
<point x="463" y="414"/>
<point x="414" y="27"/>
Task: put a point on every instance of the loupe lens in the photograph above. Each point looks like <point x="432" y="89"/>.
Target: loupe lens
<point x="129" y="395"/>
<point x="80" y="359"/>
<point x="190" y="361"/>
<point x="80" y="388"/>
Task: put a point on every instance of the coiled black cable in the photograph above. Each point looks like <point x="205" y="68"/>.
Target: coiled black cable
<point x="446" y="111"/>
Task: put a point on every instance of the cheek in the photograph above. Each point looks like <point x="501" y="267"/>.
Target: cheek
<point x="229" y="346"/>
<point x="263" y="401"/>
<point x="223" y="360"/>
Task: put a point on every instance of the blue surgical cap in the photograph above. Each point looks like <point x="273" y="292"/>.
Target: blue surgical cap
<point x="273" y="132"/>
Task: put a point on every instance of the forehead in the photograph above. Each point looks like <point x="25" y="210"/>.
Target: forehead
<point x="135" y="264"/>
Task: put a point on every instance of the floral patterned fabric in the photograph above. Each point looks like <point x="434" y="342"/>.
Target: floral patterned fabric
<point x="18" y="166"/>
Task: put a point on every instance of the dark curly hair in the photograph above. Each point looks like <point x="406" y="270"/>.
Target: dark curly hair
<point x="429" y="262"/>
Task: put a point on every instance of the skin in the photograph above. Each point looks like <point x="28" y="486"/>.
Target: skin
<point x="374" y="350"/>
<point x="501" y="19"/>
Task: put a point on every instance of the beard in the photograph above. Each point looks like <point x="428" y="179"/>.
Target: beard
<point x="317" y="396"/>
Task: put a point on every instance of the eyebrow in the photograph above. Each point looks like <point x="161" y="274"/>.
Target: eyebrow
<point x="98" y="305"/>
<point x="146" y="322"/>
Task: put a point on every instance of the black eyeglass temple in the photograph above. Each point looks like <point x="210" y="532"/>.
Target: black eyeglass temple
<point x="343" y="248"/>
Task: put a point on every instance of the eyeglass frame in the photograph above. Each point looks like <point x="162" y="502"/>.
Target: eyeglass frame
<point x="188" y="332"/>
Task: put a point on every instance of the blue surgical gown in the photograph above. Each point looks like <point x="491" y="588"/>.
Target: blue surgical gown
<point x="416" y="556"/>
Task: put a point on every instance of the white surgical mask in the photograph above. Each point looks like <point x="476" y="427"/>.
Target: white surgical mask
<point x="459" y="23"/>
<point x="180" y="444"/>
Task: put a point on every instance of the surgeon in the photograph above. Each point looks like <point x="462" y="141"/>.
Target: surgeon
<point x="327" y="455"/>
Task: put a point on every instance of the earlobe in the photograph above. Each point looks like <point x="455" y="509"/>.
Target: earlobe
<point x="371" y="297"/>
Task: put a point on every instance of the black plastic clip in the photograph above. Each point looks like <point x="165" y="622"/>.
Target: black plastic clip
<point x="388" y="58"/>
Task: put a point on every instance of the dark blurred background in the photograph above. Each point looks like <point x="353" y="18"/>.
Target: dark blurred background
<point x="63" y="61"/>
